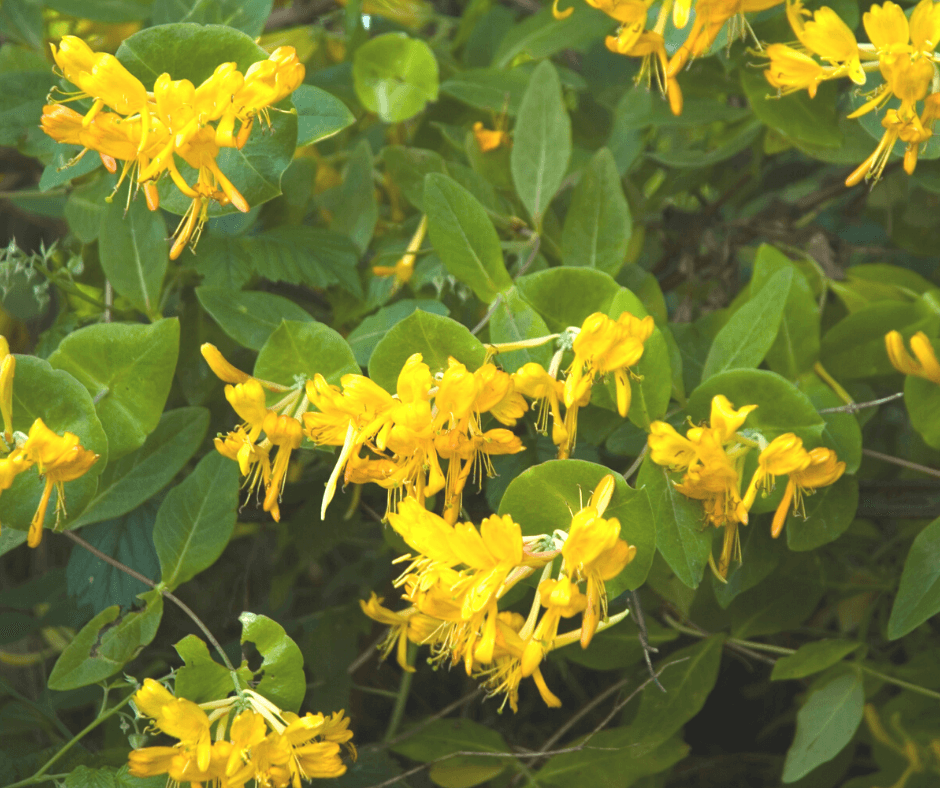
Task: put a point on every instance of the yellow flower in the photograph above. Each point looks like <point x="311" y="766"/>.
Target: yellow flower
<point x="222" y="368"/>
<point x="248" y="401"/>
<point x="532" y="381"/>
<point x="823" y="469"/>
<point x="286" y="433"/>
<point x="925" y="26"/>
<point x="60" y="459"/>
<point x="595" y="552"/>
<point x="490" y="139"/>
<point x="177" y="717"/>
<point x="829" y="37"/>
<point x="409" y="624"/>
<point x="7" y="371"/>
<point x="791" y="70"/>
<point x="404" y="269"/>
<point x="925" y="364"/>
<point x="562" y="599"/>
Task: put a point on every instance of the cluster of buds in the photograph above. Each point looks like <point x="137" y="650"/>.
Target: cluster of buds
<point x="253" y="740"/>
<point x="457" y="576"/>
<point x="601" y="347"/>
<point x="635" y="40"/>
<point x="901" y="49"/>
<point x="147" y="130"/>
<point x="712" y="459"/>
<point x="57" y="458"/>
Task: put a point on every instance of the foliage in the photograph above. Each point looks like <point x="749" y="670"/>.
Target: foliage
<point x="676" y="410"/>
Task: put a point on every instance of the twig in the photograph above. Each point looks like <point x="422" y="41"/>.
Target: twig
<point x="536" y="243"/>
<point x="857" y="406"/>
<point x="148" y="582"/>
<point x="637" y="610"/>
<point x="364" y="657"/>
<point x="636" y="463"/>
<point x="902" y="463"/>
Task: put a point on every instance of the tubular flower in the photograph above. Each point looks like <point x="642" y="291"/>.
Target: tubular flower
<point x="823" y="469"/>
<point x="534" y="382"/>
<point x="148" y="130"/>
<point x="562" y="599"/>
<point x="60" y="459"/>
<point x="7" y="371"/>
<point x="633" y="39"/>
<point x="922" y="364"/>
<point x="902" y="49"/>
<point x="254" y="740"/>
<point x="712" y="458"/>
<point x="404" y="269"/>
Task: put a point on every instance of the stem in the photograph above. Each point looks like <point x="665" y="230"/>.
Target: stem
<point x="830" y="381"/>
<point x="148" y="582"/>
<point x="902" y="463"/>
<point x="928" y="693"/>
<point x="38" y="776"/>
<point x="857" y="406"/>
<point x="636" y="463"/>
<point x="402" y="700"/>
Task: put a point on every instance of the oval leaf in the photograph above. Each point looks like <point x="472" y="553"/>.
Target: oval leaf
<point x="297" y="351"/>
<point x="282" y="668"/>
<point x="395" y="76"/>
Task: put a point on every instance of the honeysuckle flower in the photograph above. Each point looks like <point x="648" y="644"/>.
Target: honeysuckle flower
<point x="531" y="380"/>
<point x="404" y="269"/>
<point x="409" y="624"/>
<point x="254" y="740"/>
<point x="286" y="433"/>
<point x="922" y="364"/>
<point x="60" y="459"/>
<point x="221" y="367"/>
<point x="822" y="470"/>
<point x="827" y="36"/>
<point x="7" y="372"/>
<point x="791" y="70"/>
<point x="712" y="458"/>
<point x="595" y="552"/>
<point x="562" y="599"/>
<point x="490" y="139"/>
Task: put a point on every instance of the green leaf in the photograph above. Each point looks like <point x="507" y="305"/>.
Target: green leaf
<point x="249" y="318"/>
<point x="63" y="169"/>
<point x="196" y="520"/>
<point x="193" y="51"/>
<point x="810" y="121"/>
<point x="543" y="498"/>
<point x="922" y="398"/>
<point x="107" y="643"/>
<point x="514" y="320"/>
<point x="566" y="296"/>
<point x="202" y="679"/>
<point x="780" y="602"/>
<point x="489" y="89"/>
<point x="21" y="20"/>
<point x="85" y="208"/>
<point x="248" y="16"/>
<point x="297" y="351"/>
<point x="732" y="141"/>
<point x="617" y="647"/>
<point x="609" y="760"/>
<point x="812" y="658"/>
<point x="128" y="368"/>
<point x="92" y="582"/>
<point x="22" y="97"/>
<point x="542" y="143"/>
<point x="133" y="250"/>
<point x="825" y="724"/>
<point x="110" y="11"/>
<point x="781" y="406"/>
<point x="688" y="683"/>
<point x="598" y="225"/>
<point x="357" y="210"/>
<point x="135" y="478"/>
<point x="39" y="391"/>
<point x="320" y="115"/>
<point x="282" y="667"/>
<point x="681" y="537"/>
<point x="453" y="735"/>
<point x="796" y="347"/>
<point x="760" y="557"/>
<point x="747" y="336"/>
<point x="855" y="346"/>
<point x="652" y="387"/>
<point x="435" y="337"/>
<point x="464" y="237"/>
<point x="541" y="35"/>
<point x="395" y="76"/>
<point x="408" y="167"/>
<point x="828" y="513"/>
<point x="919" y="593"/>
<point x="364" y="337"/>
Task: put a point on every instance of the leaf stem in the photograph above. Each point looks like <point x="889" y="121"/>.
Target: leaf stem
<point x="902" y="463"/>
<point x="830" y="381"/>
<point x="148" y="582"/>
<point x="404" y="688"/>
<point x="854" y="407"/>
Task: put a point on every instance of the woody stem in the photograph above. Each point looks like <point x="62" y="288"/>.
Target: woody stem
<point x="148" y="582"/>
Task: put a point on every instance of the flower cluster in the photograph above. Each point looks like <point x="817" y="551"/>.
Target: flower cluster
<point x="635" y="40"/>
<point x="712" y="458"/>
<point x="57" y="458"/>
<point x="254" y="740"/>
<point x="923" y="364"/>
<point x="147" y="130"/>
<point x="901" y="49"/>
<point x="601" y="347"/>
<point x="457" y="575"/>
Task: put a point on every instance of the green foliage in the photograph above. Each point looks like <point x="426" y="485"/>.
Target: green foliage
<point x="282" y="666"/>
<point x="395" y="76"/>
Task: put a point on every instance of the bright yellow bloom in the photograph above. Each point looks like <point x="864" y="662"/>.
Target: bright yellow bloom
<point x="404" y="269"/>
<point x="60" y="459"/>
<point x="562" y="599"/>
<point x="823" y="469"/>
<point x="925" y="364"/>
<point x="534" y="382"/>
<point x="222" y="368"/>
<point x="248" y="401"/>
<point x="286" y="433"/>
<point x="791" y="70"/>
<point x="828" y="36"/>
<point x="7" y="371"/>
<point x="177" y="717"/>
<point x="409" y="624"/>
<point x="490" y="139"/>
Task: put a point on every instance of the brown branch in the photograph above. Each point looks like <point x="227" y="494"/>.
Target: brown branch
<point x="902" y="463"/>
